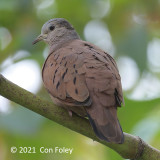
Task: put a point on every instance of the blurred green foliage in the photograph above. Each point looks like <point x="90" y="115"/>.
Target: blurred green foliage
<point x="132" y="26"/>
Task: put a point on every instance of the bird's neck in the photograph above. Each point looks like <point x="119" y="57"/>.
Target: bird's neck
<point x="60" y="40"/>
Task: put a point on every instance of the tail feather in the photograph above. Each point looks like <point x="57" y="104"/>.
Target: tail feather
<point x="109" y="129"/>
<point x="95" y="129"/>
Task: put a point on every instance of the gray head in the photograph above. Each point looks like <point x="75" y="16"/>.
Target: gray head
<point x="56" y="30"/>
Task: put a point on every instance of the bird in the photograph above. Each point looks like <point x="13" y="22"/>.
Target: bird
<point x="82" y="78"/>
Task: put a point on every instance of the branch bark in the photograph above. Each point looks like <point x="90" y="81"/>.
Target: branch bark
<point x="132" y="148"/>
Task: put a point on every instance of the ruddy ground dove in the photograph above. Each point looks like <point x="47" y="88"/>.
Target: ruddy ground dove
<point x="82" y="78"/>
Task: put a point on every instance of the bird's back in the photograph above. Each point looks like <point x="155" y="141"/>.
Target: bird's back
<point x="81" y="74"/>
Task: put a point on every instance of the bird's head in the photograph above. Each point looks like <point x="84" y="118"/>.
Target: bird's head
<point x="56" y="29"/>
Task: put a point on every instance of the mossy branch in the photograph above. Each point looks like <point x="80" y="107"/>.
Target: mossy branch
<point x="132" y="148"/>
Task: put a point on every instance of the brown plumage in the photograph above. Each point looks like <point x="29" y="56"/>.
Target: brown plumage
<point x="82" y="78"/>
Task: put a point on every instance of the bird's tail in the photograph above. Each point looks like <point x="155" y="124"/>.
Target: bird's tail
<point x="106" y="125"/>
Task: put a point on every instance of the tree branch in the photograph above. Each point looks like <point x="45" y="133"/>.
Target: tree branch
<point x="132" y="148"/>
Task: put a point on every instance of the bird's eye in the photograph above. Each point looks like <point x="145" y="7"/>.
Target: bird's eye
<point x="51" y="28"/>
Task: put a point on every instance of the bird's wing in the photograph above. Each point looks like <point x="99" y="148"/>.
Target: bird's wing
<point x="63" y="76"/>
<point x="104" y="84"/>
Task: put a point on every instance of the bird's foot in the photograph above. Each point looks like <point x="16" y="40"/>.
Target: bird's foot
<point x="70" y="113"/>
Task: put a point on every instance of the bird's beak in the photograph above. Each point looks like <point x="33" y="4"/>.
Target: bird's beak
<point x="40" y="38"/>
